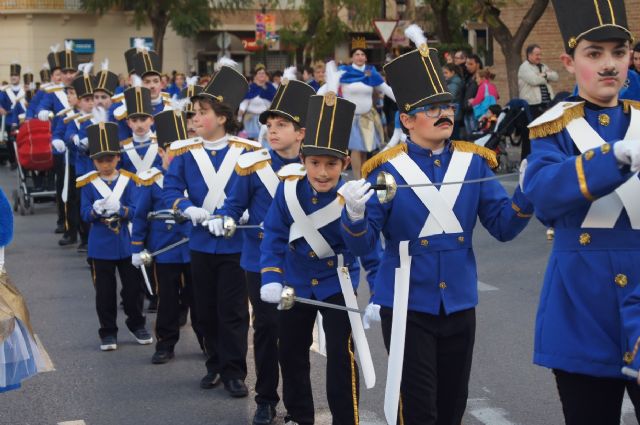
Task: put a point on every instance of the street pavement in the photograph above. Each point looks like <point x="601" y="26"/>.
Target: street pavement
<point x="123" y="387"/>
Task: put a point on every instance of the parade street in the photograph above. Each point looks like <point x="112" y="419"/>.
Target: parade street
<point x="123" y="387"/>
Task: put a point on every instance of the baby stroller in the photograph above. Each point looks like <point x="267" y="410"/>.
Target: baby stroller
<point x="36" y="179"/>
<point x="509" y="133"/>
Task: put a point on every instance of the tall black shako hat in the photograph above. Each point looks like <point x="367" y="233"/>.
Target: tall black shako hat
<point x="170" y="126"/>
<point x="83" y="83"/>
<point x="291" y="99"/>
<point x="138" y="102"/>
<point x="416" y="77"/>
<point x="106" y="80"/>
<point x="103" y="139"/>
<point x="130" y="54"/>
<point x="226" y="86"/>
<point x="45" y="73"/>
<point x="68" y="59"/>
<point x="192" y="90"/>
<point x="593" y="20"/>
<point x="15" y="69"/>
<point x="329" y="120"/>
<point x="147" y="62"/>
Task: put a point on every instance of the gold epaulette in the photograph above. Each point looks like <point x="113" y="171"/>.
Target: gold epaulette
<point x="250" y="170"/>
<point x="85" y="118"/>
<point x="555" y="124"/>
<point x="180" y="147"/>
<point x="86" y="179"/>
<point x="486" y="153"/>
<point x="250" y="162"/>
<point x="125" y="141"/>
<point x="628" y="104"/>
<point x="382" y="157"/>
<point x="70" y="118"/>
<point x="52" y="89"/>
<point x="292" y="172"/>
<point x="149" y="177"/>
<point x="247" y="144"/>
<point x="129" y="174"/>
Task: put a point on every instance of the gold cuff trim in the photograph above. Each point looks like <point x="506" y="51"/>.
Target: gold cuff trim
<point x="137" y="243"/>
<point x="629" y="357"/>
<point x="355" y="235"/>
<point x="519" y="212"/>
<point x="176" y="202"/>
<point x="271" y="269"/>
<point x="582" y="181"/>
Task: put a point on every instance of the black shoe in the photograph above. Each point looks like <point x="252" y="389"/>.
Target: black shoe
<point x="236" y="387"/>
<point x="153" y="305"/>
<point x="82" y="247"/>
<point x="183" y="317"/>
<point x="109" y="343"/>
<point x="265" y="413"/>
<point x="162" y="356"/>
<point x="59" y="230"/>
<point x="209" y="381"/>
<point x="142" y="336"/>
<point x="289" y="421"/>
<point x="66" y="241"/>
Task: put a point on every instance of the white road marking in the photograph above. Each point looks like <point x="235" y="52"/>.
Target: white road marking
<point x="483" y="287"/>
<point x="80" y="422"/>
<point x="323" y="417"/>
<point x="48" y="364"/>
<point x="479" y="408"/>
<point x="627" y="409"/>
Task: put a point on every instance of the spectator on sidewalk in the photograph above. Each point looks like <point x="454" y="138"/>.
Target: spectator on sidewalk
<point x="533" y="81"/>
<point x="472" y="65"/>
<point x="455" y="84"/>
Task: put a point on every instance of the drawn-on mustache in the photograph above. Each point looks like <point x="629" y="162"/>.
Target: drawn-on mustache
<point x="605" y="74"/>
<point x="443" y="120"/>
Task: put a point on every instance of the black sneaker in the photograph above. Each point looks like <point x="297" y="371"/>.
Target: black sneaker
<point x="289" y="421"/>
<point x="162" y="357"/>
<point x="82" y="247"/>
<point x="209" y="381"/>
<point x="142" y="336"/>
<point x="66" y="241"/>
<point x="265" y="413"/>
<point x="236" y="388"/>
<point x="108" y="343"/>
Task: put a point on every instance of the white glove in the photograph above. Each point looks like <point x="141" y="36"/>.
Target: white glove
<point x="523" y="169"/>
<point x="215" y="226"/>
<point x="84" y="144"/>
<point x="44" y="115"/>
<point x="356" y="193"/>
<point x="59" y="145"/>
<point x="76" y="140"/>
<point x="627" y="152"/>
<point x="197" y="215"/>
<point x="98" y="206"/>
<point x="270" y="293"/>
<point x="371" y="314"/>
<point x="136" y="260"/>
<point x="112" y="206"/>
<point x="245" y="217"/>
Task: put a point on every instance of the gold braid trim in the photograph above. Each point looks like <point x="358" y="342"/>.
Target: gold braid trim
<point x="629" y="357"/>
<point x="240" y="144"/>
<point x="628" y="104"/>
<point x="382" y="157"/>
<point x="557" y="125"/>
<point x="486" y="153"/>
<point x="86" y="180"/>
<point x="131" y="176"/>
<point x="250" y="170"/>
<point x="151" y="180"/>
<point x="182" y="151"/>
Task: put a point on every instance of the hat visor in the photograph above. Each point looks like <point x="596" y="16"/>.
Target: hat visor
<point x="151" y="72"/>
<point x="608" y="32"/>
<point x="445" y="97"/>
<point x="110" y="93"/>
<point x="311" y="150"/>
<point x="139" y="115"/>
<point x="103" y="154"/>
<point x="271" y="112"/>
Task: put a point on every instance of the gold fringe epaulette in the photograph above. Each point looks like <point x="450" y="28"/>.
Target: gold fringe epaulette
<point x="486" y="153"/>
<point x="628" y="104"/>
<point x="85" y="181"/>
<point x="382" y="157"/>
<point x="131" y="175"/>
<point x="183" y="150"/>
<point x="125" y="141"/>
<point x="150" y="181"/>
<point x="557" y="125"/>
<point x="238" y="143"/>
<point x="250" y="170"/>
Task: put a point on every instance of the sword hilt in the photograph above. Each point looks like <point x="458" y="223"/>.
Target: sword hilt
<point x="164" y="215"/>
<point x="385" y="187"/>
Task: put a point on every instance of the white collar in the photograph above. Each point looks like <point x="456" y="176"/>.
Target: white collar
<point x="359" y="68"/>
<point x="142" y="139"/>
<point x="157" y="101"/>
<point x="216" y="145"/>
<point x="15" y="88"/>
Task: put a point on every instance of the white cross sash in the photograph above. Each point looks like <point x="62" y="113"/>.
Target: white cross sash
<point x="216" y="181"/>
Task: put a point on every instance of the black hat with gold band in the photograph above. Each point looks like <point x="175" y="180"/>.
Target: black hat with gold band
<point x="53" y="59"/>
<point x="68" y="59"/>
<point x="416" y="77"/>
<point x="147" y="62"/>
<point x="15" y="69"/>
<point x="593" y="20"/>
<point x="45" y="73"/>
<point x="227" y="86"/>
<point x="138" y="102"/>
<point x="192" y="90"/>
<point x="329" y="120"/>
<point x="83" y="83"/>
<point x="103" y="139"/>
<point x="291" y="99"/>
<point x="170" y="126"/>
<point x="106" y="80"/>
<point x="27" y="78"/>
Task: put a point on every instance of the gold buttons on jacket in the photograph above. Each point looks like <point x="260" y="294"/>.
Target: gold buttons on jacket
<point x="312" y="254"/>
<point x="314" y="200"/>
<point x="214" y="153"/>
<point x="314" y="282"/>
<point x="437" y="163"/>
<point x="330" y="263"/>
<point x="628" y="357"/>
<point x="621" y="280"/>
<point x="585" y="239"/>
<point x="604" y="119"/>
<point x="169" y="226"/>
<point x="605" y="148"/>
<point x="588" y="155"/>
<point x="442" y="285"/>
<point x="424" y="242"/>
<point x="461" y="239"/>
<point x="260" y="235"/>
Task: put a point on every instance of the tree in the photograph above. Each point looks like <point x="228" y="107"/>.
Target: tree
<point x="187" y="17"/>
<point x="511" y="44"/>
<point x="447" y="17"/>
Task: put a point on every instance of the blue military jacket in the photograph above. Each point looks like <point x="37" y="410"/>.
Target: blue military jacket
<point x="14" y="102"/>
<point x="154" y="235"/>
<point x="294" y="263"/>
<point x="107" y="241"/>
<point x="185" y="175"/>
<point x="443" y="269"/>
<point x="587" y="321"/>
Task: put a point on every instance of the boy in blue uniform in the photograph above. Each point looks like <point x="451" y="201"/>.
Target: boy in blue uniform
<point x="427" y="283"/>
<point x="108" y="206"/>
<point x="303" y="248"/>
<point x="171" y="270"/>
<point x="253" y="192"/>
<point x="204" y="167"/>
<point x="13" y="101"/>
<point x="586" y="150"/>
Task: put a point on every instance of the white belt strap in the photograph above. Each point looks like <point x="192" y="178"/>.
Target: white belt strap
<point x="104" y="190"/>
<point x="216" y="181"/>
<point x="429" y="196"/>
<point x="398" y="334"/>
<point x="319" y="219"/>
<point x="357" y="328"/>
<point x="64" y="195"/>
<point x="141" y="164"/>
<point x="62" y="97"/>
<point x="269" y="179"/>
<point x="14" y="98"/>
<point x="306" y="227"/>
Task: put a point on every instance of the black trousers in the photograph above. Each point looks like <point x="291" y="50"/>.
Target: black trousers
<point x="58" y="172"/>
<point x="437" y="364"/>
<point x="172" y="279"/>
<point x="11" y="152"/>
<point x="220" y="294"/>
<point x="104" y="281"/>
<point x="265" y="343"/>
<point x="342" y="377"/>
<point x="589" y="400"/>
<point x="72" y="207"/>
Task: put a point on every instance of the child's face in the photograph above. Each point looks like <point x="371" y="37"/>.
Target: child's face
<point x="207" y="124"/>
<point x="282" y="134"/>
<point x="140" y="125"/>
<point x="153" y="83"/>
<point x="72" y="98"/>
<point x="423" y="127"/>
<point x="191" y="128"/>
<point x="85" y="104"/>
<point x="106" y="165"/>
<point x="323" y="171"/>
<point x="600" y="68"/>
<point x="101" y="98"/>
<point x="166" y="158"/>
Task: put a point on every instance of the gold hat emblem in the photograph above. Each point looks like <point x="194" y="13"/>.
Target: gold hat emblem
<point x="330" y="99"/>
<point x="573" y="42"/>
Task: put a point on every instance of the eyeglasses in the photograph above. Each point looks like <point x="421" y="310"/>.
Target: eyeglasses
<point x="436" y="111"/>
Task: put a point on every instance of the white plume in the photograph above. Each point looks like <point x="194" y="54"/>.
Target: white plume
<point x="332" y="77"/>
<point x="68" y="45"/>
<point x="105" y="64"/>
<point x="15" y="62"/>
<point x="87" y="68"/>
<point x="81" y="67"/>
<point x="138" y="43"/>
<point x="54" y="48"/>
<point x="45" y="65"/>
<point x="415" y="34"/>
<point x="179" y="104"/>
<point x="99" y="114"/>
<point x="225" y="61"/>
<point x="136" y="81"/>
<point x="290" y="73"/>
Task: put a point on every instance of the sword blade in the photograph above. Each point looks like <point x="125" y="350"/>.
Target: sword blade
<point x="146" y="279"/>
<point x="169" y="247"/>
<point x="484" y="179"/>
<point x="326" y="305"/>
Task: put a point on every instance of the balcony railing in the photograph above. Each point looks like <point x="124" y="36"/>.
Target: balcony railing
<point x="40" y="5"/>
